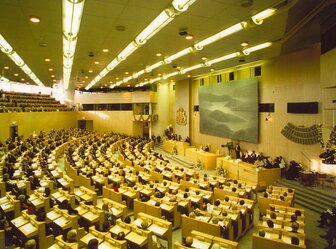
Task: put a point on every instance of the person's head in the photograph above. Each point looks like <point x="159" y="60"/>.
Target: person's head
<point x="64" y="203"/>
<point x="185" y="195"/>
<point x="234" y="189"/>
<point x="192" y="215"/>
<point x="189" y="241"/>
<point x="72" y="236"/>
<point x="295" y="226"/>
<point x="21" y="198"/>
<point x="215" y="221"/>
<point x="224" y="213"/>
<point x="293" y="218"/>
<point x="93" y="243"/>
<point x="173" y="198"/>
<point x="261" y="233"/>
<point x="41" y="216"/>
<point x="270" y="223"/>
<point x="241" y="202"/>
<point x="30" y="244"/>
<point x="265" y="195"/>
<point x="295" y="241"/>
<point x="273" y="215"/>
<point x="144" y="224"/>
<point x="297" y="213"/>
<point x="285" y="194"/>
<point x="127" y="220"/>
<point x="105" y="207"/>
<point x="290" y="190"/>
<point x="226" y="199"/>
<point x="235" y="181"/>
<point x="217" y="202"/>
<point x="47" y="192"/>
<point x="282" y="198"/>
<point x="106" y="226"/>
<point x="121" y="236"/>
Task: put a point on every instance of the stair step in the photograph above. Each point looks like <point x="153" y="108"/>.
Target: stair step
<point x="308" y="197"/>
<point x="318" y="198"/>
<point x="310" y="207"/>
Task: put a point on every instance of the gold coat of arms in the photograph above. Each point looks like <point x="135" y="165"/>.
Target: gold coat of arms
<point x="181" y="116"/>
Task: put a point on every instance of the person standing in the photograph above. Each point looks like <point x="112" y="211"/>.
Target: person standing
<point x="237" y="150"/>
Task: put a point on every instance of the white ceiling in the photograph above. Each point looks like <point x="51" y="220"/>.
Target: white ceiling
<point x="35" y="42"/>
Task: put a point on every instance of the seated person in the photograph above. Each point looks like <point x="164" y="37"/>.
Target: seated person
<point x="72" y="236"/>
<point x="327" y="217"/>
<point x="93" y="244"/>
<point x="30" y="244"/>
<point x="188" y="242"/>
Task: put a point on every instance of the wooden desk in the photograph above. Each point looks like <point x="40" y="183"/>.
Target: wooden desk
<point x="120" y="227"/>
<point x="180" y="146"/>
<point x="159" y="227"/>
<point x="208" y="159"/>
<point x="240" y="170"/>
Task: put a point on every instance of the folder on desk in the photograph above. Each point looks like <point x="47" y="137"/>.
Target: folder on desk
<point x="28" y="229"/>
<point x="156" y="229"/>
<point x="200" y="244"/>
<point x="53" y="215"/>
<point x="19" y="221"/>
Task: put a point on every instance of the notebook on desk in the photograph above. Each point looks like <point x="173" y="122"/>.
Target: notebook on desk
<point x="200" y="244"/>
<point x="156" y="229"/>
<point x="19" y="221"/>
<point x="28" y="229"/>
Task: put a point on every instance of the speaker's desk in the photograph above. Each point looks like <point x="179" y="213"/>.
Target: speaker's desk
<point x="243" y="171"/>
<point x="180" y="146"/>
<point x="207" y="159"/>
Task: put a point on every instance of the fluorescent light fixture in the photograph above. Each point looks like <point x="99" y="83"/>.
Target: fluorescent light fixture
<point x="170" y="75"/>
<point x="261" y="16"/>
<point x="26" y="69"/>
<point x="154" y="80"/>
<point x="127" y="51"/>
<point x="257" y="47"/>
<point x="112" y="64"/>
<point x="226" y="32"/>
<point x="16" y="58"/>
<point x="182" y="5"/>
<point x="5" y="46"/>
<point x="72" y="15"/>
<point x="165" y="17"/>
<point x="118" y="83"/>
<point x="104" y="72"/>
<point x="136" y="75"/>
<point x="223" y="58"/>
<point x="7" y="49"/>
<point x="178" y="55"/>
<point x="69" y="47"/>
<point x="127" y="79"/>
<point x="191" y="68"/>
<point x="157" y="64"/>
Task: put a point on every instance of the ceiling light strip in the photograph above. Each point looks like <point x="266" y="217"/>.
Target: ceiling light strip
<point x="210" y="62"/>
<point x="258" y="18"/>
<point x="6" y="48"/>
<point x="72" y="16"/>
<point x="162" y="20"/>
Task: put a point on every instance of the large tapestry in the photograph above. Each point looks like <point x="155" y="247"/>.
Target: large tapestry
<point x="230" y="110"/>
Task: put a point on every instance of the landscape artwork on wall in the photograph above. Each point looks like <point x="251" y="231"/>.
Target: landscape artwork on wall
<point x="230" y="110"/>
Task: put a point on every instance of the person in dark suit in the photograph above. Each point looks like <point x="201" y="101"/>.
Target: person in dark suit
<point x="237" y="150"/>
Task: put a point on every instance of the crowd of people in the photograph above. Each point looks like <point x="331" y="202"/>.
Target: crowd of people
<point x="23" y="102"/>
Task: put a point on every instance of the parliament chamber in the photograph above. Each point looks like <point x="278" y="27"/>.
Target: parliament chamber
<point x="167" y="124"/>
